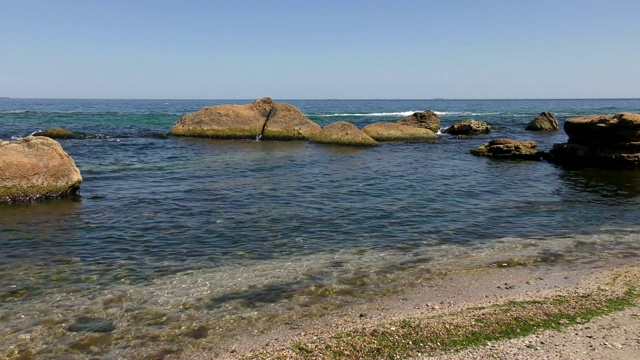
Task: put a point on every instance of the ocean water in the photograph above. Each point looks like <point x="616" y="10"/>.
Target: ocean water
<point x="174" y="234"/>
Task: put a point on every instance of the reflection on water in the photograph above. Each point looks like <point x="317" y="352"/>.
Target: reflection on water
<point x="607" y="183"/>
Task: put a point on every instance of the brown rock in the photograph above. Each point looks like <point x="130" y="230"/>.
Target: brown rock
<point x="469" y="127"/>
<point x="57" y="133"/>
<point x="343" y="133"/>
<point x="395" y="132"/>
<point x="262" y="118"/>
<point x="603" y="129"/>
<point x="506" y="148"/>
<point x="222" y="121"/>
<point x="286" y="122"/>
<point x="34" y="168"/>
<point x="424" y="119"/>
<point x="545" y="121"/>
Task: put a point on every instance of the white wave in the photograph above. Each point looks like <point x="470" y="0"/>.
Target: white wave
<point x="398" y="113"/>
<point x="13" y="112"/>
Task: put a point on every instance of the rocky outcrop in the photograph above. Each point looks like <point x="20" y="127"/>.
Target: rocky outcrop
<point x="261" y="119"/>
<point x="545" y="121"/>
<point x="343" y="133"/>
<point x="424" y="119"/>
<point x="509" y="149"/>
<point x="286" y="122"/>
<point x="469" y="127"/>
<point x="395" y="132"/>
<point x="57" y="133"/>
<point x="34" y="168"/>
<point x="600" y="140"/>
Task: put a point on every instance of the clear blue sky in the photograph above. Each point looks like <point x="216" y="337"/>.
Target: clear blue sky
<point x="306" y="49"/>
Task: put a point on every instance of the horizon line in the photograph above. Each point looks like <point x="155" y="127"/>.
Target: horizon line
<point x="324" y="99"/>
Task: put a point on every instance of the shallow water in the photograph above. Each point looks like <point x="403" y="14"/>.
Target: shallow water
<point x="172" y="235"/>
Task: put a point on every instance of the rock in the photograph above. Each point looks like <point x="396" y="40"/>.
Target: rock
<point x="424" y="119"/>
<point x="545" y="121"/>
<point x="263" y="118"/>
<point x="89" y="324"/>
<point x="601" y="141"/>
<point x="603" y="129"/>
<point x="57" y="133"/>
<point x="343" y="133"/>
<point x="511" y="149"/>
<point x="382" y="131"/>
<point x="286" y="122"/>
<point x="469" y="127"/>
<point x="34" y="168"/>
<point x="224" y="121"/>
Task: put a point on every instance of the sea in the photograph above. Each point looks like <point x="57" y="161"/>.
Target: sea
<point x="174" y="243"/>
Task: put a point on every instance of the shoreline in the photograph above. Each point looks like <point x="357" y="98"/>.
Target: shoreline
<point x="446" y="295"/>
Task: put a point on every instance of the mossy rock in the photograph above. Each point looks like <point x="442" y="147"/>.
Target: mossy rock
<point x="382" y="131"/>
<point x="56" y="133"/>
<point x="343" y="133"/>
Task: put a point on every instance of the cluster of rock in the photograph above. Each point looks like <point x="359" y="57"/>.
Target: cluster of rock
<point x="268" y="120"/>
<point x="35" y="168"/>
<point x="600" y="140"/>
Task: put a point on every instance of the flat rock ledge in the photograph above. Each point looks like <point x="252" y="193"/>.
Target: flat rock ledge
<point x="509" y="149"/>
<point x="545" y="121"/>
<point x="423" y="119"/>
<point x="600" y="141"/>
<point x="382" y="131"/>
<point x="343" y="133"/>
<point x="262" y="119"/>
<point x="36" y="168"/>
<point x="468" y="128"/>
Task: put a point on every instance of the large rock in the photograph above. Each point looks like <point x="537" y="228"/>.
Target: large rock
<point x="224" y="121"/>
<point x="545" y="121"/>
<point x="469" y="127"/>
<point x="424" y="119"/>
<point x="382" y="131"/>
<point x="600" y="140"/>
<point x="286" y="122"/>
<point x="34" y="168"/>
<point x="343" y="133"/>
<point x="510" y="149"/>
<point x="263" y="118"/>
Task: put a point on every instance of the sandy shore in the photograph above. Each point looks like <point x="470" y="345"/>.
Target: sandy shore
<point x="616" y="336"/>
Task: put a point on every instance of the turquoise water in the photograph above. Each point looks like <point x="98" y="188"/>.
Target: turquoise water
<point x="274" y="227"/>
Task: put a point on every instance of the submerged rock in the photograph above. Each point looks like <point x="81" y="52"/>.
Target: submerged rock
<point x="545" y="121"/>
<point x="343" y="133"/>
<point x="423" y="119"/>
<point x="89" y="324"/>
<point x="56" y="133"/>
<point x="469" y="127"/>
<point x="600" y="140"/>
<point x="263" y="118"/>
<point x="34" y="168"/>
<point x="395" y="132"/>
<point x="511" y="149"/>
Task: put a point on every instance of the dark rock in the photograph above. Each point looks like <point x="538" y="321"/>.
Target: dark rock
<point x="469" y="127"/>
<point x="89" y="324"/>
<point x="511" y="149"/>
<point x="395" y="132"/>
<point x="36" y="167"/>
<point x="424" y="119"/>
<point x="545" y="121"/>
<point x="601" y="141"/>
<point x="343" y="133"/>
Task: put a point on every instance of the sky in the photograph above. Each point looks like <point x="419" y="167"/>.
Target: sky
<point x="307" y="49"/>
